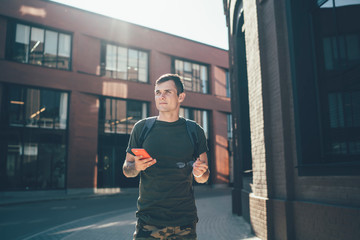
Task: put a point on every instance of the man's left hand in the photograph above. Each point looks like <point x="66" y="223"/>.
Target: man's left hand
<point x="199" y="167"/>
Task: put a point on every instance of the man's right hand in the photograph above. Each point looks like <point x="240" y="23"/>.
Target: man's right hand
<point x="142" y="164"/>
<point x="134" y="164"/>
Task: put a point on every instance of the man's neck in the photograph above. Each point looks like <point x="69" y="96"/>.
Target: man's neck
<point x="168" y="117"/>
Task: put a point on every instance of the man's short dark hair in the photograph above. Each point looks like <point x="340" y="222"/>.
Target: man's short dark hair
<point x="174" y="77"/>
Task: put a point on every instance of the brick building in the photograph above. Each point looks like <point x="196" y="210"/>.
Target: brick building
<point x="295" y="73"/>
<point x="72" y="85"/>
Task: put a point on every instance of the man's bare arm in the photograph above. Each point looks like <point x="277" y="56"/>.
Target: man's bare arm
<point x="129" y="168"/>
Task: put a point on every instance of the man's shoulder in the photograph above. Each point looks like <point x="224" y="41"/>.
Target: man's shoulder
<point x="194" y="124"/>
<point x="139" y="125"/>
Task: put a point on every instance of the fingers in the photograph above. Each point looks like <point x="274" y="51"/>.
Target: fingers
<point x="200" y="164"/>
<point x="200" y="167"/>
<point x="143" y="164"/>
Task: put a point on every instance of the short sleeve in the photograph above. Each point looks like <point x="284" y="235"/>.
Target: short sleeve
<point x="203" y="146"/>
<point x="135" y="136"/>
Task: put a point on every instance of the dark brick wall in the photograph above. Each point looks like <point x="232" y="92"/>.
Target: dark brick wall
<point x="326" y="222"/>
<point x="282" y="204"/>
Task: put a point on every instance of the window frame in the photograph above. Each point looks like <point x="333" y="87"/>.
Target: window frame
<point x="103" y="113"/>
<point x="25" y="98"/>
<point x="207" y="128"/>
<point x="312" y="160"/>
<point x="53" y="139"/>
<point x="207" y="66"/>
<point x="115" y="73"/>
<point x="11" y="38"/>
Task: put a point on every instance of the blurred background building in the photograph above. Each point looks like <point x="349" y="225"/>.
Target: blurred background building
<point x="73" y="84"/>
<point x="295" y="89"/>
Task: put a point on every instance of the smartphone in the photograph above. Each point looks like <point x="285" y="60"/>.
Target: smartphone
<point x="141" y="151"/>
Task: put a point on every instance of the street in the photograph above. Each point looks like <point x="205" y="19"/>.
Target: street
<point x="23" y="220"/>
<point x="112" y="217"/>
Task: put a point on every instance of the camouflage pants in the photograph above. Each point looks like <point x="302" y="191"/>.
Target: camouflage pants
<point x="147" y="232"/>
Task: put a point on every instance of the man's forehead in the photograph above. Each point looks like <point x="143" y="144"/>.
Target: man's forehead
<point x="168" y="85"/>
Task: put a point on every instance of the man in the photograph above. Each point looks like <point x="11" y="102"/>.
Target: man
<point x="166" y="204"/>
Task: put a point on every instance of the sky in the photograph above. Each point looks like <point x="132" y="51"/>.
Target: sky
<point x="199" y="20"/>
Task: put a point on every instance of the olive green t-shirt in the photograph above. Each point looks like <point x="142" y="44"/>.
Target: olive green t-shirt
<point x="166" y="195"/>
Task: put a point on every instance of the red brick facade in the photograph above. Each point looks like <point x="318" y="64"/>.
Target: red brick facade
<point x="85" y="83"/>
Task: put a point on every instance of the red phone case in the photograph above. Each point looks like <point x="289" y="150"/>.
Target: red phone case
<point x="141" y="151"/>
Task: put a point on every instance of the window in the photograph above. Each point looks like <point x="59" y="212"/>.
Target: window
<point x="229" y="126"/>
<point x="39" y="46"/>
<point x="199" y="116"/>
<point x="119" y="116"/>
<point x="230" y="147"/>
<point x="338" y="55"/>
<point x="124" y="63"/>
<point x="116" y="121"/>
<point x="35" y="108"/>
<point x="34" y="138"/>
<point x="195" y="76"/>
<point x="228" y="92"/>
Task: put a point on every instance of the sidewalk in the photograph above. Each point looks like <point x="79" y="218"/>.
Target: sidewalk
<point x="214" y="210"/>
<point x="13" y="198"/>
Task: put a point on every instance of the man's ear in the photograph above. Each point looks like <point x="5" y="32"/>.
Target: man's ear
<point x="182" y="97"/>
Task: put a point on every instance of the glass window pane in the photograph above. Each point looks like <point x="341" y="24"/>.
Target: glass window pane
<point x="143" y="66"/>
<point x="64" y="51"/>
<point x="110" y="60"/>
<point x="29" y="166"/>
<point x="58" y="166"/>
<point x="144" y="110"/>
<point x="49" y="109"/>
<point x="353" y="46"/>
<point x="134" y="113"/>
<point x="22" y="34"/>
<point x="36" y="46"/>
<point x="121" y="119"/>
<point x="33" y="107"/>
<point x="108" y="128"/>
<point x="187" y="67"/>
<point x="16" y="108"/>
<point x="133" y="65"/>
<point x="179" y="67"/>
<point x="61" y="119"/>
<point x="21" y="46"/>
<point x="328" y="54"/>
<point x="50" y="53"/>
<point x="229" y="126"/>
<point x="204" y="79"/>
<point x="205" y="123"/>
<point x="122" y="63"/>
<point x="356" y="108"/>
<point x="228" y="92"/>
<point x="13" y="165"/>
<point x="64" y="45"/>
<point x="44" y="166"/>
<point x="196" y="78"/>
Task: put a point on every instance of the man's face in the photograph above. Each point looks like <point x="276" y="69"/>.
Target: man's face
<point x="166" y="97"/>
